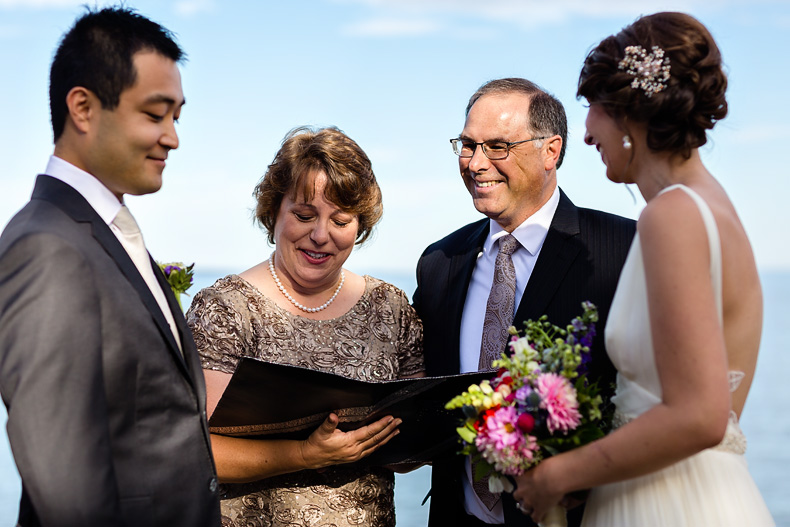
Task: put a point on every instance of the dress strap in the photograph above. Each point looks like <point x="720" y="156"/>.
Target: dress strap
<point x="714" y="243"/>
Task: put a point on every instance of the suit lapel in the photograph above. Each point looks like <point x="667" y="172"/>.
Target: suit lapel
<point x="183" y="331"/>
<point x="73" y="204"/>
<point x="461" y="266"/>
<point x="556" y="256"/>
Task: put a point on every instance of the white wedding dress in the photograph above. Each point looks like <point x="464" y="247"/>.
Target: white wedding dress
<point x="711" y="488"/>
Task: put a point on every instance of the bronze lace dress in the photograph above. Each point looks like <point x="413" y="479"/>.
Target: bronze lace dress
<point x="380" y="338"/>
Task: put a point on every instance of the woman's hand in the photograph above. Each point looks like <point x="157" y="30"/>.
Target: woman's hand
<point x="535" y="494"/>
<point x="329" y="446"/>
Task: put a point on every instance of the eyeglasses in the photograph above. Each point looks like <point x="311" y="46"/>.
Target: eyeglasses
<point x="493" y="150"/>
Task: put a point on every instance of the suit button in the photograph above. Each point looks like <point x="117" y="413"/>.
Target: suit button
<point x="212" y="485"/>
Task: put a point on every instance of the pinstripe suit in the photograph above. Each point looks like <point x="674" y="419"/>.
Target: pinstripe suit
<point x="580" y="260"/>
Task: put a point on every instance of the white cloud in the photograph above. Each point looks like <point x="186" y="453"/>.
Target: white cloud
<point x="9" y="32"/>
<point x="754" y="133"/>
<point x="528" y="13"/>
<point x="39" y="4"/>
<point x="390" y="27"/>
<point x="384" y="154"/>
<point x="193" y="7"/>
<point x="526" y="6"/>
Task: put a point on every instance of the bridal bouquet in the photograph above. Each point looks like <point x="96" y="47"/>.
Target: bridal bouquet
<point x="179" y="276"/>
<point x="539" y="404"/>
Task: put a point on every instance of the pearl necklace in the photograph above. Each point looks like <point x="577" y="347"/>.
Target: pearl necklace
<point x="293" y="300"/>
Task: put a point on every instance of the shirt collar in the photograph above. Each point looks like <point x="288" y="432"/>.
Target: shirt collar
<point x="95" y="193"/>
<point x="532" y="232"/>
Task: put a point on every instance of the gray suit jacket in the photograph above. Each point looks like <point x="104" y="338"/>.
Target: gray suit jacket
<point x="580" y="260"/>
<point x="106" y="418"/>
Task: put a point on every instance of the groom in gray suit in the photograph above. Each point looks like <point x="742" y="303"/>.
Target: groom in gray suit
<point x="98" y="371"/>
<point x="512" y="143"/>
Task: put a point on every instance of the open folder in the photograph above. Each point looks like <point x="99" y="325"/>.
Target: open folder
<point x="274" y="401"/>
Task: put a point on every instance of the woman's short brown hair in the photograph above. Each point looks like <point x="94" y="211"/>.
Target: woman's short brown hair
<point x="678" y="116"/>
<point x="351" y="184"/>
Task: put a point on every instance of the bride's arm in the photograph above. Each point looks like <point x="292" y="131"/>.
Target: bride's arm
<point x="240" y="460"/>
<point x="690" y="359"/>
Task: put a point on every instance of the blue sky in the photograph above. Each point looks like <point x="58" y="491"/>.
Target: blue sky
<point x="395" y="76"/>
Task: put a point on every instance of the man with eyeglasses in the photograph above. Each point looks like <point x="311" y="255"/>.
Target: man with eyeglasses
<point x="512" y="143"/>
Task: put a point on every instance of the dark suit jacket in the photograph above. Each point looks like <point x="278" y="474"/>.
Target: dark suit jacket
<point x="106" y="418"/>
<point x="580" y="260"/>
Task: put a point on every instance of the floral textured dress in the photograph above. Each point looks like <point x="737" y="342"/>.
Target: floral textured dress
<point x="380" y="338"/>
<point x="712" y="487"/>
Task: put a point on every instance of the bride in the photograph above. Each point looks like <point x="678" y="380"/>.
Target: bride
<point x="684" y="327"/>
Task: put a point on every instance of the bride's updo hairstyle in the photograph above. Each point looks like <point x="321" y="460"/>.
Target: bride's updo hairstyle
<point x="664" y="70"/>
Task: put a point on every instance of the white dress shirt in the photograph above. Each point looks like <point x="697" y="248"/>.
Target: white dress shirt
<point x="531" y="234"/>
<point x="106" y="205"/>
<point x="99" y="197"/>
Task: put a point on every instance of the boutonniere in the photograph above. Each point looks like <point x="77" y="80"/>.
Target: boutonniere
<point x="179" y="276"/>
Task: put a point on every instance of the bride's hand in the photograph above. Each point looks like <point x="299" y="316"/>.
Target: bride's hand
<point x="328" y="446"/>
<point x="574" y="499"/>
<point x="535" y="493"/>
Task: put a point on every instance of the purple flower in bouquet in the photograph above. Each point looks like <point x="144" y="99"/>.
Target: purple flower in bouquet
<point x="523" y="393"/>
<point x="584" y="327"/>
<point x="587" y="339"/>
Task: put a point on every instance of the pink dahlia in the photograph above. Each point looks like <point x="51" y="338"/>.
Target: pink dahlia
<point x="558" y="397"/>
<point x="511" y="460"/>
<point x="501" y="428"/>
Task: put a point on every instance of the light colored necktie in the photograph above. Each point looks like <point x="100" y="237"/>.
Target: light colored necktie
<point x="500" y="305"/>
<point x="499" y="317"/>
<point x="132" y="240"/>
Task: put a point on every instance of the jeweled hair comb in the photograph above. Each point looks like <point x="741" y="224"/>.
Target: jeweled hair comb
<point x="650" y="70"/>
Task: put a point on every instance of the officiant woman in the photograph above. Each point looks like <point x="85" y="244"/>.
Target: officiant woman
<point x="317" y="200"/>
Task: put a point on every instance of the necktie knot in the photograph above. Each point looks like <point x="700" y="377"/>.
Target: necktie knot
<point x="125" y="222"/>
<point x="508" y="244"/>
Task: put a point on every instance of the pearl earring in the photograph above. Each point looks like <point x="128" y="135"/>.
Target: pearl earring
<point x="627" y="142"/>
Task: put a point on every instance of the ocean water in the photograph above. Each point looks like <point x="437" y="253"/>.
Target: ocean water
<point x="765" y="420"/>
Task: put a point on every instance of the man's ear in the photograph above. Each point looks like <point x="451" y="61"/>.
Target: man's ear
<point x="552" y="146"/>
<point x="82" y="107"/>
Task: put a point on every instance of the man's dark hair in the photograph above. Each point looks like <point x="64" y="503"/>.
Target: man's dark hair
<point x="546" y="115"/>
<point x="96" y="53"/>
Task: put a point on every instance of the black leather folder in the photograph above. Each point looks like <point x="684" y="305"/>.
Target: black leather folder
<point x="266" y="400"/>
